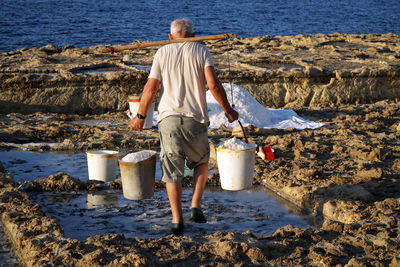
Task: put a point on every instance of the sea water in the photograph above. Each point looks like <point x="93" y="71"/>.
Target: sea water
<point x="35" y="23"/>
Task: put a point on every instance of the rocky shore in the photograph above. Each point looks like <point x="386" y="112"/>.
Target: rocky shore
<point x="346" y="172"/>
<point x="280" y="71"/>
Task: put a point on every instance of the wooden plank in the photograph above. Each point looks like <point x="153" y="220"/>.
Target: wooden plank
<point x="164" y="42"/>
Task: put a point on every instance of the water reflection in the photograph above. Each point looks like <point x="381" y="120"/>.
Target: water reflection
<point x="62" y="197"/>
<point x="100" y="200"/>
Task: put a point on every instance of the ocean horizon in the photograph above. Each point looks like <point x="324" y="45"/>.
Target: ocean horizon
<point x="35" y="23"/>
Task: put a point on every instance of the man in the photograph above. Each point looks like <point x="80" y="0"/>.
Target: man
<point x="181" y="70"/>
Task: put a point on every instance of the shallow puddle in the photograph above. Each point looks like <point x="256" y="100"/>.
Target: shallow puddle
<point x="84" y="214"/>
<point x="87" y="214"/>
<point x="138" y="66"/>
<point x="28" y="166"/>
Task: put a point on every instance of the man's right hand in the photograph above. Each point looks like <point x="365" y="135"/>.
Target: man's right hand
<point x="232" y="115"/>
<point x="136" y="124"/>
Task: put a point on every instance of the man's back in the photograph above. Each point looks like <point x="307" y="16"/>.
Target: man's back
<point x="180" y="69"/>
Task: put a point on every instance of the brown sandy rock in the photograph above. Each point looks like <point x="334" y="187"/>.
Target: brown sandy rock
<point x="6" y="180"/>
<point x="395" y="262"/>
<point x="367" y="175"/>
<point x="281" y="71"/>
<point x="342" y="211"/>
<point x="57" y="182"/>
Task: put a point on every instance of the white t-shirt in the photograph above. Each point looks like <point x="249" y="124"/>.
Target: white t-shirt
<point x="180" y="69"/>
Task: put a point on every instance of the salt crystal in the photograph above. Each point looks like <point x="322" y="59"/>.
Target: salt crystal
<point x="236" y="144"/>
<point x="252" y="112"/>
<point x="136" y="157"/>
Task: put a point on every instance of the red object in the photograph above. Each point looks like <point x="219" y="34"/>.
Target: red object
<point x="269" y="152"/>
<point x="134" y="100"/>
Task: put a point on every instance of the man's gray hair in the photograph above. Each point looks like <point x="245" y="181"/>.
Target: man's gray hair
<point x="182" y="25"/>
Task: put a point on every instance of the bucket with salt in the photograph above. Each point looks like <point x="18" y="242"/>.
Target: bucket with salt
<point x="134" y="103"/>
<point x="102" y="165"/>
<point x="138" y="171"/>
<point x="236" y="161"/>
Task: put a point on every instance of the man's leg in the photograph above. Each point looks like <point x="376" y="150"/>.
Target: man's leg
<point x="200" y="177"/>
<point x="174" y="191"/>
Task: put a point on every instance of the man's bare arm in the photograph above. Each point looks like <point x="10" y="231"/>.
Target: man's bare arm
<point x="148" y="95"/>
<point x="218" y="91"/>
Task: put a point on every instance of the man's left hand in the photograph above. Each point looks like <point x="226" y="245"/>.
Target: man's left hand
<point x="136" y="124"/>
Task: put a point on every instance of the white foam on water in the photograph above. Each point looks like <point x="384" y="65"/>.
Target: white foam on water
<point x="136" y="157"/>
<point x="236" y="144"/>
<point x="252" y="112"/>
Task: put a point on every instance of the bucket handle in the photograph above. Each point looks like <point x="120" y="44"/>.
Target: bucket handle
<point x="244" y="132"/>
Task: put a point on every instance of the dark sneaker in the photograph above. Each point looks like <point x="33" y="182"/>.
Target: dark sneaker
<point x="196" y="215"/>
<point x="177" y="228"/>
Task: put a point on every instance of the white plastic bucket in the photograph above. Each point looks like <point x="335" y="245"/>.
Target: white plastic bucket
<point x="138" y="178"/>
<point x="236" y="168"/>
<point x="134" y="102"/>
<point x="102" y="165"/>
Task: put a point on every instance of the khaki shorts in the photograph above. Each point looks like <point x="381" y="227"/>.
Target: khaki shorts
<point x="182" y="138"/>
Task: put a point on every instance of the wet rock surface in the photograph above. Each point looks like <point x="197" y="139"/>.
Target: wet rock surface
<point x="346" y="172"/>
<point x="281" y="71"/>
<point x="7" y="255"/>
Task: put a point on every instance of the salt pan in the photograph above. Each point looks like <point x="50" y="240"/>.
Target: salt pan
<point x="236" y="144"/>
<point x="136" y="157"/>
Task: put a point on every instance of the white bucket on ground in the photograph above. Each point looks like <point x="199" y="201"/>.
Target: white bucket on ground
<point x="102" y="165"/>
<point x="138" y="178"/>
<point x="134" y="102"/>
<point x="236" y="168"/>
